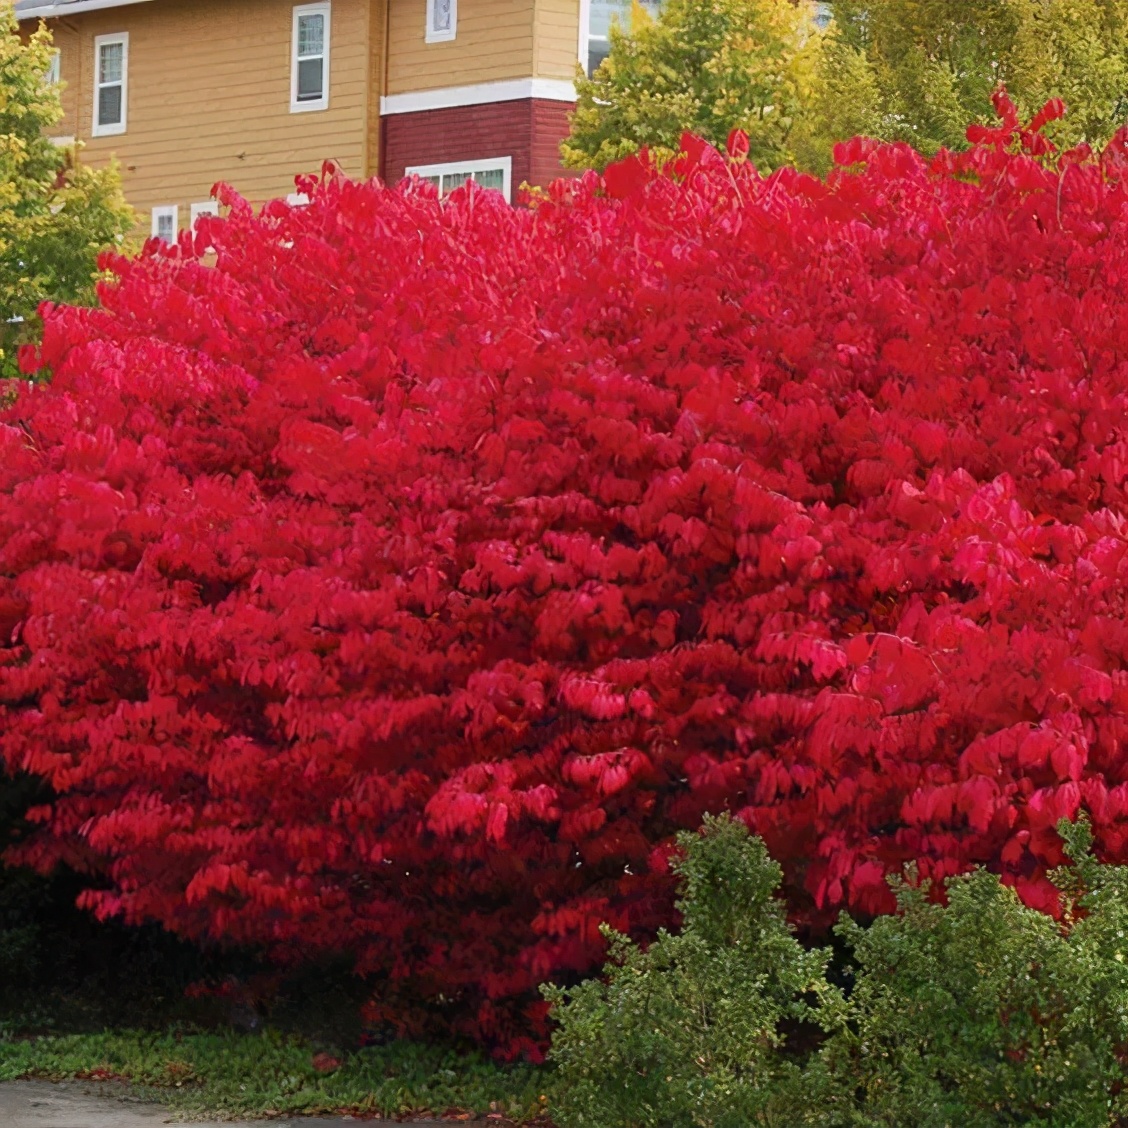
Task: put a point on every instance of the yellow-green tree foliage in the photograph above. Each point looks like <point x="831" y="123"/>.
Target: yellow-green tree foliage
<point x="912" y="70"/>
<point x="708" y="66"/>
<point x="936" y="62"/>
<point x="55" y="214"/>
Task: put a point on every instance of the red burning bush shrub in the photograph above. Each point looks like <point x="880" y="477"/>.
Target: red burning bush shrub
<point x="400" y="584"/>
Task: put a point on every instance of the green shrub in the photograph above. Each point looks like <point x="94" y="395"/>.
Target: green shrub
<point x="690" y="1031"/>
<point x="979" y="1013"/>
<point x="974" y="1013"/>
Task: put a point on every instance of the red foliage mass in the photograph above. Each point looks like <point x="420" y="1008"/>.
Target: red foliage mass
<point x="402" y="582"/>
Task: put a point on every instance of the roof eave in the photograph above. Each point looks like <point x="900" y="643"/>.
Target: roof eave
<point x="46" y="10"/>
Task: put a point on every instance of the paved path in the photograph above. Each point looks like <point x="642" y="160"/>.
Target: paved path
<point x="77" y="1104"/>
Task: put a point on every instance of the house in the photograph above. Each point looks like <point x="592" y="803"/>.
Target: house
<point x="185" y="93"/>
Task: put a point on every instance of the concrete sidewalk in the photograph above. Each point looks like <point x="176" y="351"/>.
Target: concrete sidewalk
<point x="83" y="1104"/>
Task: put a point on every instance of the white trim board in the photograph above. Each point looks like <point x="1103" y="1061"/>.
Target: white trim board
<point x="585" y="33"/>
<point x="47" y="11"/>
<point x="450" y="97"/>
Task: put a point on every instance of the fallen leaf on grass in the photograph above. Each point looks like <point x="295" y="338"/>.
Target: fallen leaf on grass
<point x="326" y="1063"/>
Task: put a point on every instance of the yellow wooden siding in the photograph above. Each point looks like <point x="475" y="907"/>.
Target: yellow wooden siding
<point x="494" y="42"/>
<point x="377" y="78"/>
<point x="67" y="39"/>
<point x="557" y="38"/>
<point x="209" y="98"/>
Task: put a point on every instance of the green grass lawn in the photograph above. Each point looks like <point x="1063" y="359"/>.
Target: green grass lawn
<point x="228" y="1074"/>
<point x="66" y="979"/>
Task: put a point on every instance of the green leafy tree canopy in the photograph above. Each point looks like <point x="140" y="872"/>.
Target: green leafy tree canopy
<point x="900" y="70"/>
<point x="707" y="66"/>
<point x="55" y="215"/>
<point x="935" y="64"/>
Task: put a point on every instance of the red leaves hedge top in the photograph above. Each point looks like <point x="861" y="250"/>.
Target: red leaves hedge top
<point x="402" y="582"/>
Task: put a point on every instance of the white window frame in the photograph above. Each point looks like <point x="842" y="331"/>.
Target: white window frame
<point x="585" y="32"/>
<point x="324" y="8"/>
<point x="433" y="36"/>
<point x="101" y="41"/>
<point x="53" y="75"/>
<point x="164" y="212"/>
<point x="489" y="164"/>
<point x="297" y="200"/>
<point x="204" y="207"/>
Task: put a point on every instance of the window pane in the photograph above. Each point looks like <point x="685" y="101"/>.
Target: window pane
<point x="310" y="80"/>
<point x="111" y="56"/>
<point x="437" y="181"/>
<point x="165" y="228"/>
<point x="311" y="36"/>
<point x="109" y="105"/>
<point x="491" y="178"/>
<point x="452" y="180"/>
<point x="603" y="11"/>
<point x="441" y="15"/>
<point x="598" y="50"/>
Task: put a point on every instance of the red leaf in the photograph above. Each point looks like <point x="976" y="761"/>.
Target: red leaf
<point x="626" y="178"/>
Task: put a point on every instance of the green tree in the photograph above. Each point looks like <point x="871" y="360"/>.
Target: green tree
<point x="707" y="66"/>
<point x="935" y="63"/>
<point x="918" y="71"/>
<point x="55" y="214"/>
<point x="842" y="101"/>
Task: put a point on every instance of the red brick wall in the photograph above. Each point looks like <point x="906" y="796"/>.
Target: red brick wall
<point x="528" y="130"/>
<point x="550" y="127"/>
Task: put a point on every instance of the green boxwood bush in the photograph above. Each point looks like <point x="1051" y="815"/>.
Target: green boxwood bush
<point x="691" y="1031"/>
<point x="969" y="1011"/>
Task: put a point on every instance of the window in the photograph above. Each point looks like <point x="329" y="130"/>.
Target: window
<point x="111" y="83"/>
<point x="297" y="200"/>
<point x="496" y="172"/>
<point x="309" y="72"/>
<point x="442" y="21"/>
<point x="596" y="17"/>
<point x="166" y="223"/>
<point x="52" y="75"/>
<point x="205" y="207"/>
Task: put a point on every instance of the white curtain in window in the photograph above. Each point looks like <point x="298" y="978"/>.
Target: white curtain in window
<point x="441" y="15"/>
<point x="311" y="35"/>
<point x="110" y="61"/>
